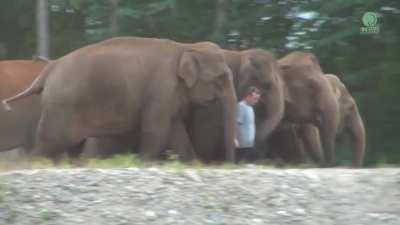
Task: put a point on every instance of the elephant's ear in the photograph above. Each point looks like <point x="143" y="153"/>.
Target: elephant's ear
<point x="250" y="65"/>
<point x="188" y="68"/>
<point x="245" y="68"/>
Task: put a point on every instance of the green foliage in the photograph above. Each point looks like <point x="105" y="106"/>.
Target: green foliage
<point x="117" y="161"/>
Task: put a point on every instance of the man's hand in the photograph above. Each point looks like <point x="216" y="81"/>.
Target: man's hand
<point x="236" y="143"/>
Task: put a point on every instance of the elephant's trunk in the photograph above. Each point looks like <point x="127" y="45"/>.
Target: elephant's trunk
<point x="273" y="107"/>
<point x="328" y="127"/>
<point x="357" y="131"/>
<point x="229" y="114"/>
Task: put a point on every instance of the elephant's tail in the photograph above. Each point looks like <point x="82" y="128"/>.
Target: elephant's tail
<point x="35" y="88"/>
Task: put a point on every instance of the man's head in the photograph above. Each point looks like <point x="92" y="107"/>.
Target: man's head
<point x="252" y="95"/>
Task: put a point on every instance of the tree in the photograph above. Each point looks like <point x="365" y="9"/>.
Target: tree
<point x="43" y="33"/>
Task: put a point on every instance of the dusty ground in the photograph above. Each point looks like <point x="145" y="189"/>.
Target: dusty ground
<point x="251" y="195"/>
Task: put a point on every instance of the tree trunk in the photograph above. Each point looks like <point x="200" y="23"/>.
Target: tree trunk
<point x="43" y="33"/>
<point x="114" y="27"/>
<point x="220" y="17"/>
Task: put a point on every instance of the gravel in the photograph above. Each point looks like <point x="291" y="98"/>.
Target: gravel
<point x="249" y="195"/>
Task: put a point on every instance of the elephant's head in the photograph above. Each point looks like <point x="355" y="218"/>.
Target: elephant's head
<point x="302" y="59"/>
<point x="259" y="68"/>
<point x="207" y="77"/>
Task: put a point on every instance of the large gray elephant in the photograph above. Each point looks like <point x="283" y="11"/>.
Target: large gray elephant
<point x="254" y="67"/>
<point x="17" y="128"/>
<point x="307" y="138"/>
<point x="130" y="84"/>
<point x="310" y="99"/>
<point x="350" y="119"/>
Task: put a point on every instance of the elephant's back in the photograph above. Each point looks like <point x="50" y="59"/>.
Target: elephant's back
<point x="134" y="44"/>
<point x="92" y="83"/>
<point x="109" y="82"/>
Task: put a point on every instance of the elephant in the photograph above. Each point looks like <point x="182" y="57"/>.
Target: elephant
<point x="253" y="67"/>
<point x="306" y="140"/>
<point x="310" y="99"/>
<point x="130" y="84"/>
<point x="350" y="119"/>
<point x="17" y="129"/>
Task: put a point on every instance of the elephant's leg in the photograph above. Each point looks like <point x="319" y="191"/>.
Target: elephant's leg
<point x="106" y="146"/>
<point x="328" y="126"/>
<point x="55" y="148"/>
<point x="76" y="150"/>
<point x="283" y="145"/>
<point x="50" y="149"/>
<point x="328" y="144"/>
<point x="180" y="142"/>
<point x="295" y="145"/>
<point x="207" y="134"/>
<point x="155" y="129"/>
<point x="312" y="144"/>
<point x="29" y="139"/>
<point x="152" y="144"/>
<point x="57" y="134"/>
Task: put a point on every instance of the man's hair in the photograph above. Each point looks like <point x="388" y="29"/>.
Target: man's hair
<point x="251" y="90"/>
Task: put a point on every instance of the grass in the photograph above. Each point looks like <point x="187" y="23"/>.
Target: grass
<point x="117" y="161"/>
<point x="131" y="160"/>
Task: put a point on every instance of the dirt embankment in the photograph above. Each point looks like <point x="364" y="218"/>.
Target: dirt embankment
<point x="251" y="195"/>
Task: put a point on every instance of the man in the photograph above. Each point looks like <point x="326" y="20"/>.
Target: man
<point x="246" y="125"/>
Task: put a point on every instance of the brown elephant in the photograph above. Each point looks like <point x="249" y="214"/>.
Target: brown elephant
<point x="17" y="128"/>
<point x="306" y="140"/>
<point x="310" y="99"/>
<point x="254" y="67"/>
<point x="350" y="119"/>
<point x="129" y="84"/>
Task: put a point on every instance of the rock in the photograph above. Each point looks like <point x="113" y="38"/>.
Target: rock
<point x="150" y="214"/>
<point x="247" y="195"/>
